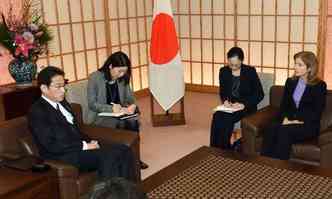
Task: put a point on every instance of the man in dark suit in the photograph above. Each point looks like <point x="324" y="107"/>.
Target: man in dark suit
<point x="55" y="131"/>
<point x="240" y="90"/>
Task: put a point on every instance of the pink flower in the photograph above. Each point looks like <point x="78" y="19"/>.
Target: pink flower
<point x="23" y="46"/>
<point x="18" y="39"/>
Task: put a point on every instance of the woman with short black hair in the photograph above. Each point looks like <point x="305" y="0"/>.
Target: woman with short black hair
<point x="240" y="89"/>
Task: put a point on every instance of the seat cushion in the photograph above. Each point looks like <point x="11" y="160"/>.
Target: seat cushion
<point x="308" y="151"/>
<point x="77" y="93"/>
<point x="267" y="80"/>
<point x="85" y="181"/>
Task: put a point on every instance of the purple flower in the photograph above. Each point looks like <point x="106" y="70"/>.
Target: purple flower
<point x="28" y="36"/>
<point x="33" y="27"/>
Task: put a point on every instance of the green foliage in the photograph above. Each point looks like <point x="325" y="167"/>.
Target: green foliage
<point x="5" y="38"/>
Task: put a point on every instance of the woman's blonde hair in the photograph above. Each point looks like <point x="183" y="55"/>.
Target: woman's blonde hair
<point x="310" y="60"/>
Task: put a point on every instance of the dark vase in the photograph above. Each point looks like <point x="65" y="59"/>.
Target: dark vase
<point x="23" y="71"/>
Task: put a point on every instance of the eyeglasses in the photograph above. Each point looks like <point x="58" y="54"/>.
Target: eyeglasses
<point x="59" y="86"/>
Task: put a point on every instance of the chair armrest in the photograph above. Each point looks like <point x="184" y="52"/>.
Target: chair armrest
<point x="325" y="137"/>
<point x="67" y="179"/>
<point x="325" y="145"/>
<point x="63" y="169"/>
<point x="251" y="128"/>
<point x="106" y="136"/>
<point x="259" y="120"/>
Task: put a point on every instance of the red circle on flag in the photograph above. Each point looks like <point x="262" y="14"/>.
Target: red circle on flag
<point x="164" y="43"/>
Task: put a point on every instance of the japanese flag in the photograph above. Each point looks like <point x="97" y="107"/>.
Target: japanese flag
<point x="165" y="71"/>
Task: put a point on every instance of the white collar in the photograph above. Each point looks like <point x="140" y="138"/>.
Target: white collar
<point x="54" y="104"/>
<point x="112" y="82"/>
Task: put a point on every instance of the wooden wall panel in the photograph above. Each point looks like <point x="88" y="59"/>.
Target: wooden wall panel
<point x="269" y="31"/>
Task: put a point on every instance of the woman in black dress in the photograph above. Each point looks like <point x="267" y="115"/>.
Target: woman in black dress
<point x="241" y="89"/>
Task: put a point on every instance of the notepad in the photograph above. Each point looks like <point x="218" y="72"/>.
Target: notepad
<point x="125" y="117"/>
<point x="121" y="116"/>
<point x="223" y="108"/>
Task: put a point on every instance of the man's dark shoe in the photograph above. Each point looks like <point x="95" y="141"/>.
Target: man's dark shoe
<point x="143" y="165"/>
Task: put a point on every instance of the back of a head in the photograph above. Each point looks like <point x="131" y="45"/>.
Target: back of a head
<point x="118" y="188"/>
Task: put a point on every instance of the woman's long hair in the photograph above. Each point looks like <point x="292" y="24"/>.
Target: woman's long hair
<point x="310" y="60"/>
<point x="117" y="59"/>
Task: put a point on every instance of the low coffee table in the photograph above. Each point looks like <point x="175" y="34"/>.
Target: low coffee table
<point x="212" y="173"/>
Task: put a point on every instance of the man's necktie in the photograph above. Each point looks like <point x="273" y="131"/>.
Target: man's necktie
<point x="58" y="107"/>
<point x="62" y="114"/>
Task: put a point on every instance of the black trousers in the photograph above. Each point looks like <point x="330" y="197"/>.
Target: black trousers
<point x="278" y="138"/>
<point x="222" y="127"/>
<point x="116" y="160"/>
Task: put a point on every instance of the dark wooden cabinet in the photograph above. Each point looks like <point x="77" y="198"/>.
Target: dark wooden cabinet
<point x="16" y="101"/>
<point x="15" y="184"/>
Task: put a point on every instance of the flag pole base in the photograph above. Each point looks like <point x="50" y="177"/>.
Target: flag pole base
<point x="168" y="119"/>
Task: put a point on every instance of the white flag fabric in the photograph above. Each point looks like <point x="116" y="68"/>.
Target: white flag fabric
<point x="166" y="79"/>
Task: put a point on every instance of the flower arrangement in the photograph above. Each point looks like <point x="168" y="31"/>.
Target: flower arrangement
<point x="25" y="36"/>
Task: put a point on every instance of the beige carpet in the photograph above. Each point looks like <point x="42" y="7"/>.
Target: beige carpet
<point x="161" y="146"/>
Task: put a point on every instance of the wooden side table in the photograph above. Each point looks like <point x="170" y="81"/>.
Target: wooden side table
<point x="16" y="101"/>
<point x="15" y="184"/>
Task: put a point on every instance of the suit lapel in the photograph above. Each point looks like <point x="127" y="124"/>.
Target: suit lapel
<point x="292" y="89"/>
<point x="53" y="111"/>
<point x="58" y="116"/>
<point x="242" y="78"/>
<point x="67" y="106"/>
<point x="228" y="83"/>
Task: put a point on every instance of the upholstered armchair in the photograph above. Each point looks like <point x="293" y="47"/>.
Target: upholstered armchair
<point x="16" y="140"/>
<point x="314" y="152"/>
